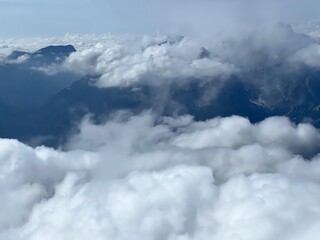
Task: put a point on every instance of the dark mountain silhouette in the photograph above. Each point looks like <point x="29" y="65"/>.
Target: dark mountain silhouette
<point x="53" y="53"/>
<point x="61" y="115"/>
<point x="16" y="54"/>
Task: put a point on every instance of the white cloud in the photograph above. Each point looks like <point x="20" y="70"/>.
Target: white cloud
<point x="175" y="179"/>
<point x="19" y="60"/>
<point x="124" y="60"/>
<point x="132" y="60"/>
<point x="149" y="61"/>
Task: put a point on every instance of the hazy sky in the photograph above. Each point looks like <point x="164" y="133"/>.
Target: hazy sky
<point x="56" y="17"/>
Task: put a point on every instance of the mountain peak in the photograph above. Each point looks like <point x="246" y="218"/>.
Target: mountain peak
<point x="204" y="53"/>
<point x="53" y="53"/>
<point x="56" y="50"/>
<point x="16" y="54"/>
<point x="284" y="27"/>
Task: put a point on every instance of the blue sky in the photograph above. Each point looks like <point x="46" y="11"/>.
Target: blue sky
<point x="24" y="18"/>
<point x="57" y="17"/>
<point x="50" y="18"/>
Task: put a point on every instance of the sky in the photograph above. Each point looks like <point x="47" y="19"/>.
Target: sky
<point x="29" y="18"/>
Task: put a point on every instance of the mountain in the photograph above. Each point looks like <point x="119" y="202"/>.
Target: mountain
<point x="25" y="86"/>
<point x="53" y="54"/>
<point x="61" y="115"/>
<point x="55" y="120"/>
<point x="45" y="56"/>
<point x="28" y="84"/>
<point x="42" y="107"/>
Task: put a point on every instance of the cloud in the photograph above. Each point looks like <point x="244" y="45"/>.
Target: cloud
<point x="18" y="60"/>
<point x="125" y="60"/>
<point x="174" y="178"/>
<point x="32" y="44"/>
<point x="133" y="60"/>
<point x="309" y="56"/>
<point x="147" y="61"/>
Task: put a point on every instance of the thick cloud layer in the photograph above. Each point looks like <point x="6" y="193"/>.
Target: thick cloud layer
<point x="127" y="60"/>
<point x="138" y="178"/>
<point x="134" y="61"/>
<point x="147" y="60"/>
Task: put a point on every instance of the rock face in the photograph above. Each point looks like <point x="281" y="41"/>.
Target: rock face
<point x="26" y="84"/>
<point x="47" y="55"/>
<point x="53" y="53"/>
<point x="61" y="114"/>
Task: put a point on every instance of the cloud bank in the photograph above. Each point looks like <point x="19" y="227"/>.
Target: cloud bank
<point x="136" y="177"/>
<point x="128" y="60"/>
<point x="147" y="61"/>
<point x="132" y="61"/>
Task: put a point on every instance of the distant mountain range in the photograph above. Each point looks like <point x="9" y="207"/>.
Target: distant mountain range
<point x="24" y="84"/>
<point x="39" y="108"/>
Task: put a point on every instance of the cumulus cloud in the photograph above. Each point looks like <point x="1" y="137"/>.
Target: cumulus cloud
<point x="147" y="61"/>
<point x="125" y="60"/>
<point x="19" y="60"/>
<point x="141" y="178"/>
<point x="134" y="60"/>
